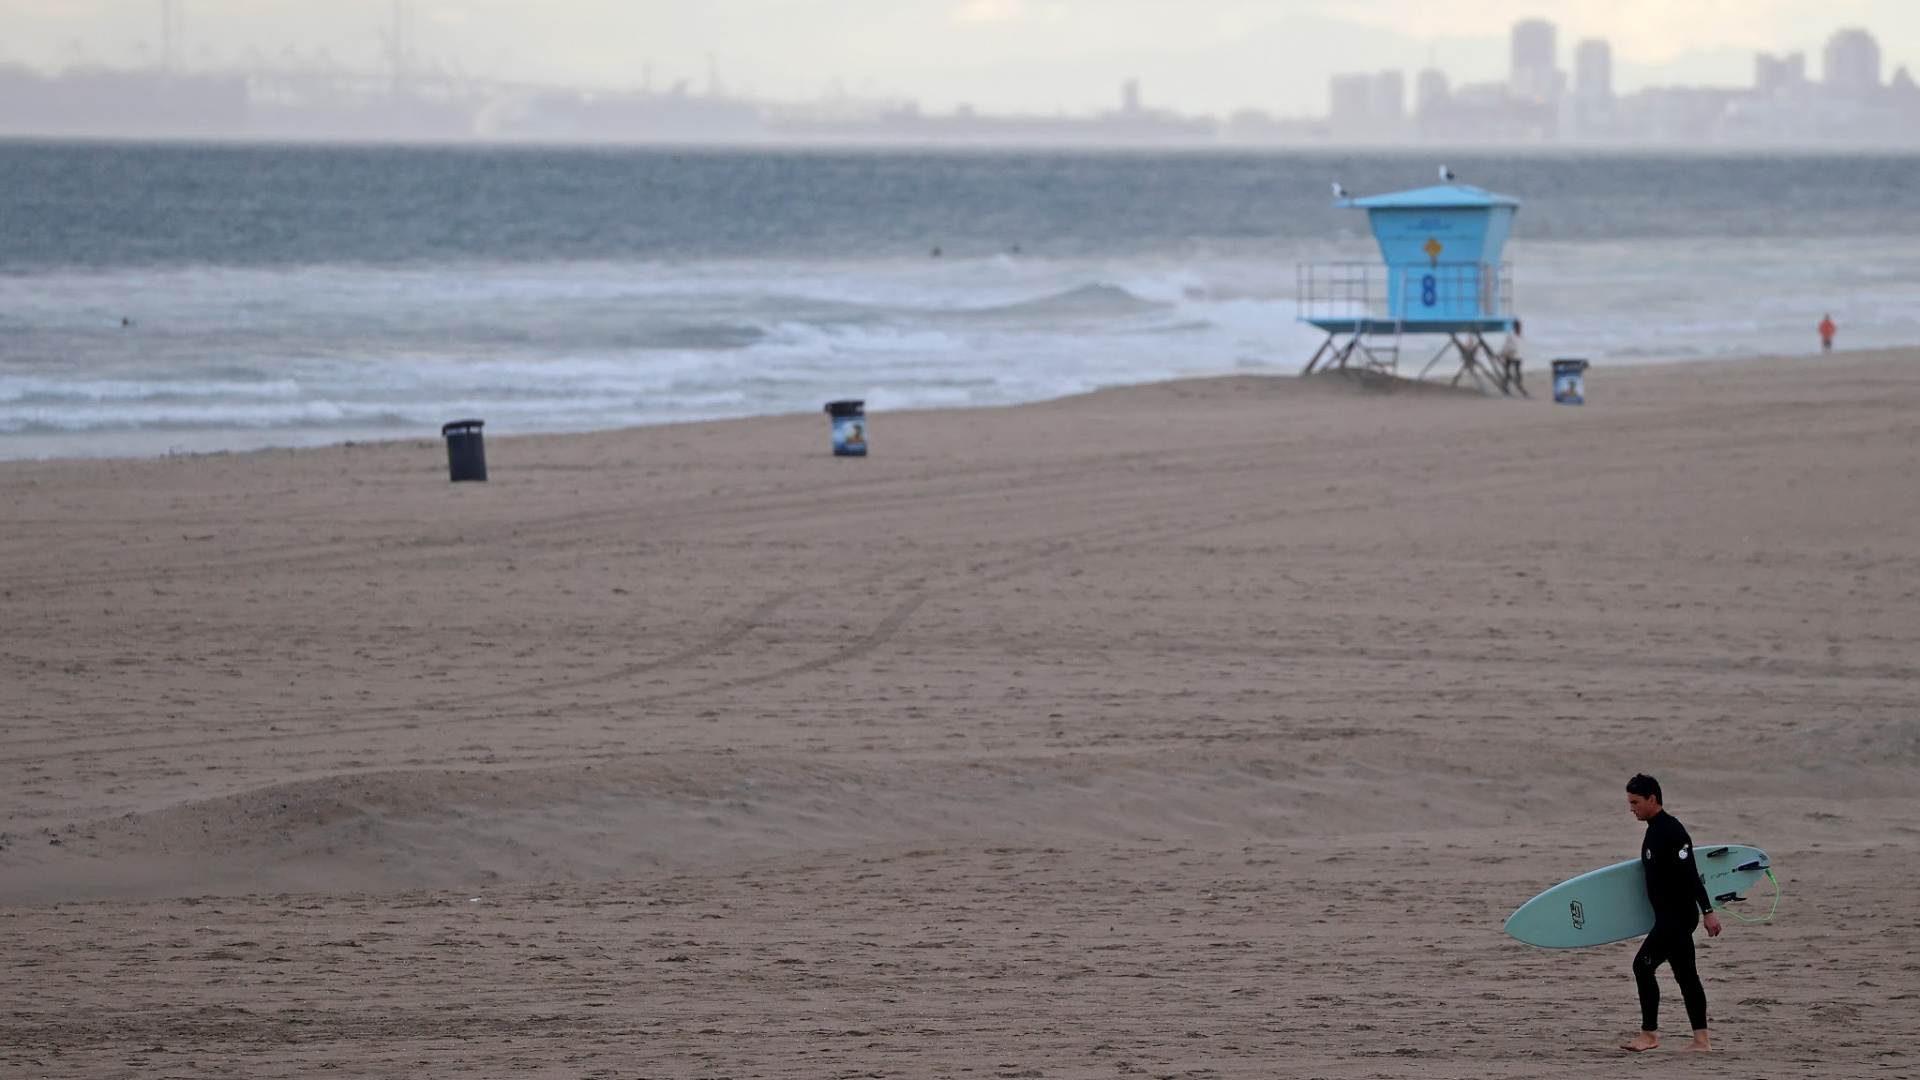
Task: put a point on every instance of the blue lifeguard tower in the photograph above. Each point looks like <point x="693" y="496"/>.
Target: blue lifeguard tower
<point x="1442" y="275"/>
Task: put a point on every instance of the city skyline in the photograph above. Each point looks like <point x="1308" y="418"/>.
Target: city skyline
<point x="1846" y="96"/>
<point x="1034" y="57"/>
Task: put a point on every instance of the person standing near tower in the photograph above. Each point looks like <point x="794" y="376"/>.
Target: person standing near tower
<point x="1510" y="362"/>
<point x="1826" y="333"/>
<point x="1679" y="901"/>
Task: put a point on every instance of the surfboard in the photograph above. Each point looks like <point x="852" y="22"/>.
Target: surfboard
<point x="1610" y="904"/>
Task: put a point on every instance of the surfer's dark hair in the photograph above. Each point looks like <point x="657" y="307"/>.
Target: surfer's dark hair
<point x="1646" y="787"/>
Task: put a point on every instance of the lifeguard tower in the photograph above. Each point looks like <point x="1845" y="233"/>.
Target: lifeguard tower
<point x="1442" y="275"/>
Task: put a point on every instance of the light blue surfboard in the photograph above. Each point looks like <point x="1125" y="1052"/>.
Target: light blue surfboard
<point x="1610" y="904"/>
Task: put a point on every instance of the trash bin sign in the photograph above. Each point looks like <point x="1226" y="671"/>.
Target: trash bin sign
<point x="1570" y="382"/>
<point x="466" y="453"/>
<point x="849" y="428"/>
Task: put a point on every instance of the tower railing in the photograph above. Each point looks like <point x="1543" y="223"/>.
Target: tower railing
<point x="1408" y="294"/>
<point x="1341" y="290"/>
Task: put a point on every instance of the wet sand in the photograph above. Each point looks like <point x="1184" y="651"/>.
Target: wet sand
<point x="1208" y="728"/>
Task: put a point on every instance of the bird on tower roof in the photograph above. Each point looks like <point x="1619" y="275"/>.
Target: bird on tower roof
<point x="1446" y="175"/>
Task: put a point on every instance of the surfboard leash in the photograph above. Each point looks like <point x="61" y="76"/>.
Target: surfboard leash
<point x="1768" y="917"/>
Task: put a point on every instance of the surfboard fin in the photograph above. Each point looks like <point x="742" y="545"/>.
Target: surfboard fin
<point x="1768" y="917"/>
<point x="1729" y="898"/>
<point x="1717" y="852"/>
<point x="1756" y="864"/>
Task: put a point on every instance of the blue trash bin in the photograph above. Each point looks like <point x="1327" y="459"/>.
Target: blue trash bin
<point x="849" y="428"/>
<point x="1570" y="382"/>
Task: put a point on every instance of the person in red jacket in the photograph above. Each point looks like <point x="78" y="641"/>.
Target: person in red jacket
<point x="1826" y="333"/>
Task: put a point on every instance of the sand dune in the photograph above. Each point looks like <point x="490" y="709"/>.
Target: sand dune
<point x="1207" y="728"/>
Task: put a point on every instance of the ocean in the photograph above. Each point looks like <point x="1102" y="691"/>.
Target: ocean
<point x="160" y="299"/>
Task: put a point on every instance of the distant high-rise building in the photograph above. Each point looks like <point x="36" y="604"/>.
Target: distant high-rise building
<point x="1852" y="61"/>
<point x="1389" y="98"/>
<point x="1587" y="113"/>
<point x="1779" y="74"/>
<point x="1430" y="92"/>
<point x="1369" y="106"/>
<point x="1593" y="71"/>
<point x="1536" y="72"/>
<point x="1352" y="103"/>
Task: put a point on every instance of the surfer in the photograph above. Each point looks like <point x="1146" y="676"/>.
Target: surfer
<point x="1679" y="901"/>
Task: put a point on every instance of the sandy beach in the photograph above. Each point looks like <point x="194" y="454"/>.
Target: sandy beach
<point x="1204" y="729"/>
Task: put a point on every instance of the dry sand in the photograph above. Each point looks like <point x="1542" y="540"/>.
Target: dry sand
<point x="1201" y="729"/>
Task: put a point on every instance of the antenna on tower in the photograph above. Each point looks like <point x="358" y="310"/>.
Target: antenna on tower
<point x="398" y="46"/>
<point x="169" y="35"/>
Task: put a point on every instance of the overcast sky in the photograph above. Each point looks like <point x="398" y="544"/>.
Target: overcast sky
<point x="1043" y="56"/>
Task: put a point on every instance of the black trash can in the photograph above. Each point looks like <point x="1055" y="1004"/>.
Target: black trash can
<point x="466" y="453"/>
<point x="849" y="428"/>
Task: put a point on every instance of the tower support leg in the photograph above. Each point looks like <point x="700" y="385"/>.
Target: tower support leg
<point x="1490" y="363"/>
<point x="1317" y="354"/>
<point x="1485" y="373"/>
<point x="1335" y="352"/>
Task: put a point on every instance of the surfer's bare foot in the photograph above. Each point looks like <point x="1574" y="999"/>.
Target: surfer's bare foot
<point x="1646" y="1040"/>
<point x="1699" y="1042"/>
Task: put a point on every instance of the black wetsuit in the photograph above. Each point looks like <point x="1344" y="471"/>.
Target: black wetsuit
<point x="1679" y="898"/>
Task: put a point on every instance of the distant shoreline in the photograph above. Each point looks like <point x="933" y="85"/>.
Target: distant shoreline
<point x="1422" y="152"/>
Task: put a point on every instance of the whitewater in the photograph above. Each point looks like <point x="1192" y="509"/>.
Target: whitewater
<point x="188" y="339"/>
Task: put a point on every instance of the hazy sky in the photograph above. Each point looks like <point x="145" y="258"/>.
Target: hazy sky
<point x="1003" y="55"/>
